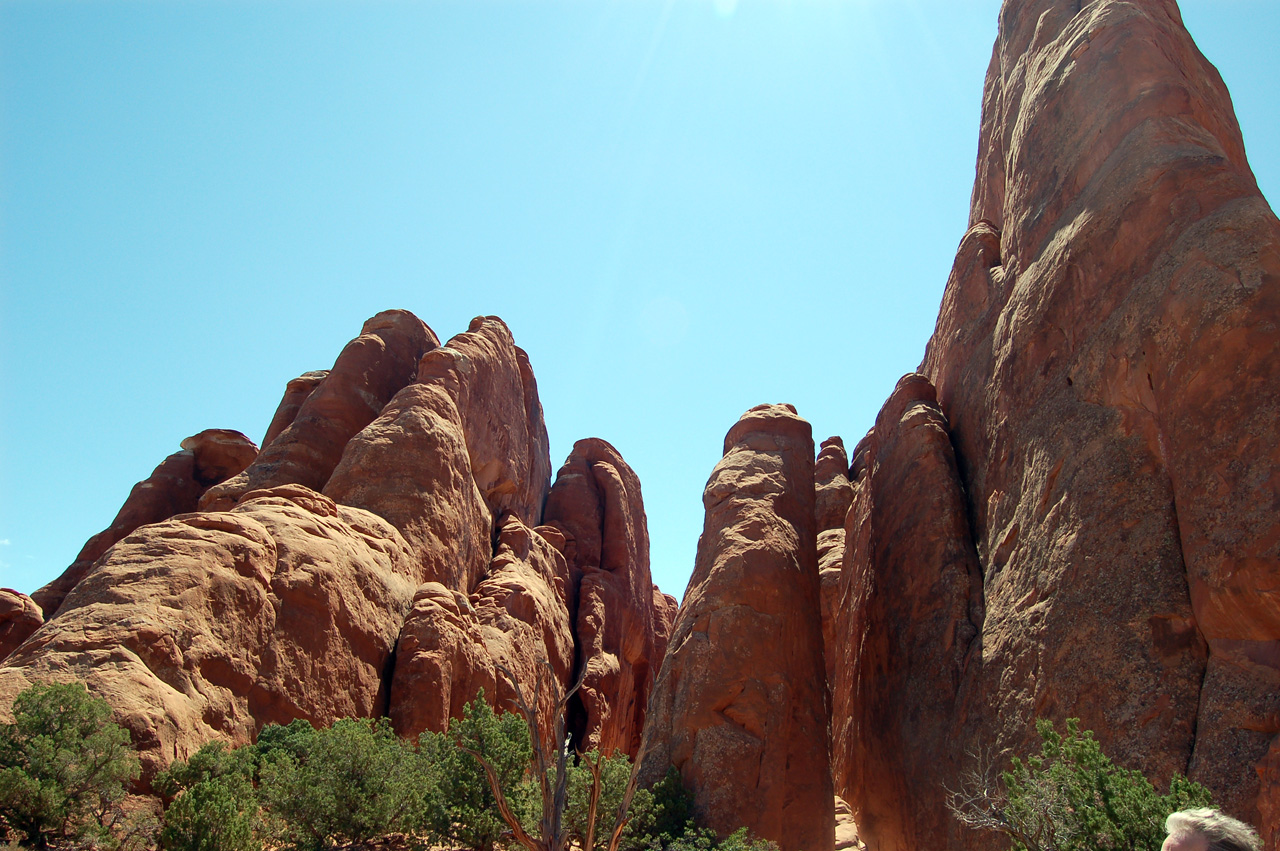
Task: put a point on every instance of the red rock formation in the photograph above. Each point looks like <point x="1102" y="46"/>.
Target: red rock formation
<point x="174" y="487"/>
<point x="19" y="617"/>
<point x="372" y="367"/>
<point x="209" y="625"/>
<point x="295" y="393"/>
<point x="453" y="451"/>
<point x="597" y="504"/>
<point x="910" y="602"/>
<point x="833" y="492"/>
<point x="1107" y="357"/>
<point x="740" y="706"/>
<point x="517" y="617"/>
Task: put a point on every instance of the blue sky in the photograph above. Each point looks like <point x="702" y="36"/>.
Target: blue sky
<point x="682" y="208"/>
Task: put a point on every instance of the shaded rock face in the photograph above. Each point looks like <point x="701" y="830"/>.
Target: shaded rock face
<point x="372" y="367"/>
<point x="19" y="617"/>
<point x="461" y="446"/>
<point x="910" y="591"/>
<point x="174" y="487"/>
<point x="1105" y="360"/>
<point x="596" y="503"/>
<point x="740" y="706"/>
<point x="452" y="645"/>
<point x="833" y="494"/>
<point x="209" y="625"/>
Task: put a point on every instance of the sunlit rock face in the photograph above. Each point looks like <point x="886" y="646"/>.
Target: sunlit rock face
<point x="1106" y="370"/>
<point x="383" y="556"/>
<point x="174" y="487"/>
<point x="618" y="613"/>
<point x="740" y="707"/>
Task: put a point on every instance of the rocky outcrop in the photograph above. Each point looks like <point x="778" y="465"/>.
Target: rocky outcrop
<point x="206" y="459"/>
<point x="452" y="452"/>
<point x="295" y="393"/>
<point x="596" y="503"/>
<point x="209" y="625"/>
<point x="740" y="706"/>
<point x="418" y="577"/>
<point x="910" y="609"/>
<point x="1105" y="362"/>
<point x="517" y="619"/>
<point x="368" y="372"/>
<point x="833" y="494"/>
<point x="19" y="617"/>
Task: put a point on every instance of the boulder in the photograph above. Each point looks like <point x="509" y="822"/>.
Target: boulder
<point x="740" y="707"/>
<point x="174" y="487"/>
<point x="597" y="504"/>
<point x="209" y="625"/>
<point x="368" y="372"/>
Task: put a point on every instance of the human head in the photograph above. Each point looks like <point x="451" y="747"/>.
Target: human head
<point x="1208" y="830"/>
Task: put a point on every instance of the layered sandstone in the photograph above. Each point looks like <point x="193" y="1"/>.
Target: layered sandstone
<point x="1105" y="362"/>
<point x="209" y="625"/>
<point x="740" y="707"/>
<point x="368" y="372"/>
<point x="597" y="504"/>
<point x="174" y="487"/>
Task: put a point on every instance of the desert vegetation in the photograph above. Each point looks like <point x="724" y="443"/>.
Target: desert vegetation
<point x="482" y="785"/>
<point x="1070" y="797"/>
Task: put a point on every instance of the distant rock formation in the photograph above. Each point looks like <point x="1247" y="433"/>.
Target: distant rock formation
<point x="740" y="707"/>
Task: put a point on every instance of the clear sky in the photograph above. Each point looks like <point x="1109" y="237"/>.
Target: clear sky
<point x="682" y="208"/>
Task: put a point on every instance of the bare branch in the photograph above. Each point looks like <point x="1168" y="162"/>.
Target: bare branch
<point x="504" y="809"/>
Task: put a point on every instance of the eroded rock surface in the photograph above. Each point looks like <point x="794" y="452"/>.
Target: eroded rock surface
<point x="517" y="618"/>
<point x="368" y="372"/>
<point x="596" y="502"/>
<point x="174" y="487"/>
<point x="209" y="625"/>
<point x="295" y="393"/>
<point x="1106" y="361"/>
<point x="19" y="617"/>
<point x="910" y="606"/>
<point x="453" y="451"/>
<point x="740" y="706"/>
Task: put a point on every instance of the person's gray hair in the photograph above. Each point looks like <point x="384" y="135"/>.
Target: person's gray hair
<point x="1223" y="832"/>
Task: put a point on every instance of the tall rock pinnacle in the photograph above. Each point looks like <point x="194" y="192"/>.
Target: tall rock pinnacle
<point x="741" y="706"/>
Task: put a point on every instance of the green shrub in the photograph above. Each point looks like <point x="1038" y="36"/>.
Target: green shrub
<point x="63" y="765"/>
<point x="1072" y="797"/>
<point x="214" y="806"/>
<point x="463" y="809"/>
<point x="351" y="782"/>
